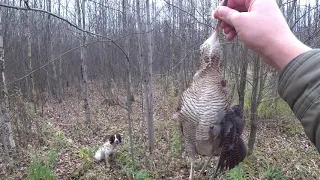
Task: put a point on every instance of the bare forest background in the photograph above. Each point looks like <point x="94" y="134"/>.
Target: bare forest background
<point x="75" y="71"/>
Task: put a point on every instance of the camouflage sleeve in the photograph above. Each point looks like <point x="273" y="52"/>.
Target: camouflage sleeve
<point x="299" y="86"/>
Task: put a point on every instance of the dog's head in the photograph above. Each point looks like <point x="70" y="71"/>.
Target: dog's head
<point x="115" y="139"/>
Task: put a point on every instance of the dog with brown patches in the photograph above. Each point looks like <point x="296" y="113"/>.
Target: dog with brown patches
<point x="110" y="147"/>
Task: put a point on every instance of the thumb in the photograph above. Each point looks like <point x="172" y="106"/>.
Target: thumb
<point x="226" y="14"/>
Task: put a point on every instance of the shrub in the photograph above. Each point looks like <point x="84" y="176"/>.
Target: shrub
<point x="238" y="173"/>
<point x="274" y="173"/>
<point x="176" y="140"/>
<point x="37" y="171"/>
<point x="41" y="166"/>
<point x="142" y="175"/>
<point x="86" y="154"/>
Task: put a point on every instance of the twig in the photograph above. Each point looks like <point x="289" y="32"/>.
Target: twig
<point x="70" y="23"/>
<point x="191" y="15"/>
<point x="28" y="74"/>
<point x="123" y="168"/>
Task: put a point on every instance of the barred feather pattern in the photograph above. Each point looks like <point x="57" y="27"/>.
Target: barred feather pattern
<point x="233" y="148"/>
<point x="203" y="104"/>
<point x="208" y="125"/>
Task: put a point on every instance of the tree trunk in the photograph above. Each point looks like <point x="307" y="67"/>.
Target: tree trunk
<point x="5" y="104"/>
<point x="32" y="92"/>
<point x="243" y="76"/>
<point x="83" y="54"/>
<point x="3" y="136"/>
<point x="141" y="60"/>
<point x="129" y="94"/>
<point x="50" y="54"/>
<point x="183" y="47"/>
<point x="148" y="82"/>
<point x="254" y="104"/>
<point x="59" y="77"/>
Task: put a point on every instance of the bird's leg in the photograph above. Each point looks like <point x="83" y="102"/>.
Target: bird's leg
<point x="205" y="166"/>
<point x="191" y="168"/>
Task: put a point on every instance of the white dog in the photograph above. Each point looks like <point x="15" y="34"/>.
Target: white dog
<point x="108" y="148"/>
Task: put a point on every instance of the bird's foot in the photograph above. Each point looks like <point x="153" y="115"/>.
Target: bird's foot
<point x="191" y="176"/>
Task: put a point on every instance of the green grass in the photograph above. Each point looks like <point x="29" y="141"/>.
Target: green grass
<point x="124" y="156"/>
<point x="42" y="165"/>
<point x="131" y="168"/>
<point x="275" y="174"/>
<point x="238" y="173"/>
<point x="277" y="108"/>
<point x="176" y="141"/>
<point x="142" y="175"/>
<point x="291" y="127"/>
<point x="86" y="154"/>
<point x="269" y="107"/>
<point x="38" y="171"/>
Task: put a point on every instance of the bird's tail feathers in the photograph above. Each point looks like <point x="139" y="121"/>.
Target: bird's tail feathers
<point x="232" y="153"/>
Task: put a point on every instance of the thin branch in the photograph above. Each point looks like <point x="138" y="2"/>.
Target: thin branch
<point x="70" y="23"/>
<point x="305" y="13"/>
<point x="191" y="15"/>
<point x="107" y="7"/>
<point x="46" y="64"/>
<point x="315" y="32"/>
<point x="189" y="51"/>
<point x="230" y="70"/>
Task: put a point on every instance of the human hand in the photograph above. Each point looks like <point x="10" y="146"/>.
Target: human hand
<point x="260" y="25"/>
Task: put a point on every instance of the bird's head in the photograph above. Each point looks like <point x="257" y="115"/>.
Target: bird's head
<point x="211" y="51"/>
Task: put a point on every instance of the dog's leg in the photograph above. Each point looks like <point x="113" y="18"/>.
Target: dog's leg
<point x="106" y="160"/>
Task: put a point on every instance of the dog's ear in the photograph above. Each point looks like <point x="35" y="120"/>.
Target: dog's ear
<point x="119" y="137"/>
<point x="111" y="139"/>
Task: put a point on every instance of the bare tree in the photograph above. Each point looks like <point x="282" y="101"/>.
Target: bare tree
<point x="83" y="57"/>
<point x="168" y="34"/>
<point x="128" y="81"/>
<point x="30" y="69"/>
<point x="5" y="121"/>
<point x="258" y="85"/>
<point x="243" y="76"/>
<point x="148" y="81"/>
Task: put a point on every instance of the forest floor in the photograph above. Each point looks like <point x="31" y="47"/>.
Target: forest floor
<point x="282" y="150"/>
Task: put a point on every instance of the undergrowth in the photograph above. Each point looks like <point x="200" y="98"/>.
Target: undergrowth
<point x="43" y="161"/>
<point x="269" y="107"/>
<point x="42" y="165"/>
<point x="291" y="128"/>
<point x="238" y="173"/>
<point x="274" y="174"/>
<point x="86" y="155"/>
<point x="176" y="141"/>
<point x="279" y="143"/>
<point x="131" y="168"/>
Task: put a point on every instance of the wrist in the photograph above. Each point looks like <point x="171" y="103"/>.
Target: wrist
<point x="284" y="51"/>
